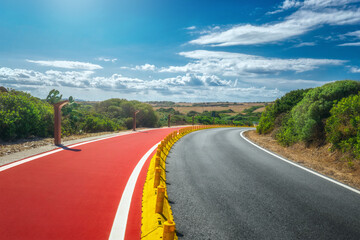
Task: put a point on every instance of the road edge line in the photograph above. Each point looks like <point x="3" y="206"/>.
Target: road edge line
<point x="118" y="228"/>
<point x="28" y="159"/>
<point x="40" y="155"/>
<point x="299" y="166"/>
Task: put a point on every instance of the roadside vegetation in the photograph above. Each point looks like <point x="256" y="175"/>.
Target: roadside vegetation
<point x="247" y="117"/>
<point x="24" y="116"/>
<point x="318" y="116"/>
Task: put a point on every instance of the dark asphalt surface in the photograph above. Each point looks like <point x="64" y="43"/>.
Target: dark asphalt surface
<point x="222" y="187"/>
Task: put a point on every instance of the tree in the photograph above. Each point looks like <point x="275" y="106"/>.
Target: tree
<point x="53" y="97"/>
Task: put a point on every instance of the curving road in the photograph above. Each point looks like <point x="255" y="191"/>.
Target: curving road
<point x="223" y="187"/>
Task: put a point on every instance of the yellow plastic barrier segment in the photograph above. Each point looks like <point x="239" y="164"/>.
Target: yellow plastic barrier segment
<point x="157" y="218"/>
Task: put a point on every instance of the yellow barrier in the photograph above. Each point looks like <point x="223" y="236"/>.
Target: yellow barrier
<point x="157" y="218"/>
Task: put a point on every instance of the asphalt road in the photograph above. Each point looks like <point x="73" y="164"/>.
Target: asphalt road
<point x="222" y="187"/>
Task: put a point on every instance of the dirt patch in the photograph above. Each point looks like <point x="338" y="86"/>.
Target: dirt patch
<point x="320" y="159"/>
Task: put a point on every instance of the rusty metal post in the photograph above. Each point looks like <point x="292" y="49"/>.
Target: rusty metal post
<point x="169" y="118"/>
<point x="193" y="120"/>
<point x="57" y="121"/>
<point x="134" y="120"/>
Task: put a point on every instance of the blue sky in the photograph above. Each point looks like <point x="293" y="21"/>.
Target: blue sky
<point x="177" y="50"/>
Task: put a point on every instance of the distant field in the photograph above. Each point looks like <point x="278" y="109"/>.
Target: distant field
<point x="201" y="107"/>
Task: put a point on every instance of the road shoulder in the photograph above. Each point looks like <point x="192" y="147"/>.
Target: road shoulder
<point x="319" y="159"/>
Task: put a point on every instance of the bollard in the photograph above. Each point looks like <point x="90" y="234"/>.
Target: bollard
<point x="169" y="230"/>
<point x="157" y="162"/>
<point x="57" y="121"/>
<point x="160" y="199"/>
<point x="157" y="177"/>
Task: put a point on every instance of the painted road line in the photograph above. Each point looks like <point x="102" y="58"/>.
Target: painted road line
<point x="299" y="166"/>
<point x="17" y="163"/>
<point x="29" y="159"/>
<point x="119" y="226"/>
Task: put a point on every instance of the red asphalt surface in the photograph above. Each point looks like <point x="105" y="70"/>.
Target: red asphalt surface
<point x="74" y="194"/>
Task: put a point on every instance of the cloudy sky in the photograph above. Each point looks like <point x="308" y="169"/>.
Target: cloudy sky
<point x="177" y="50"/>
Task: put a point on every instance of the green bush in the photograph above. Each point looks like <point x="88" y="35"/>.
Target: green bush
<point x="22" y="116"/>
<point x="306" y="120"/>
<point x="343" y="126"/>
<point x="273" y="114"/>
<point x="122" y="109"/>
<point x="98" y="123"/>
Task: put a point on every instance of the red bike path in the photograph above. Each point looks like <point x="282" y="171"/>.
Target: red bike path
<point x="75" y="193"/>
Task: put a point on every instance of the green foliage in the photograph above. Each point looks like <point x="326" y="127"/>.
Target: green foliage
<point x="274" y="113"/>
<point x="251" y="109"/>
<point x="343" y="126"/>
<point x="53" y="96"/>
<point x="192" y="113"/>
<point x="123" y="109"/>
<point x="306" y="119"/>
<point x="22" y="116"/>
<point x="99" y="123"/>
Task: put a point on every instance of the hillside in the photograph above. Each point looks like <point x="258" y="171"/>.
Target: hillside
<point x="323" y="123"/>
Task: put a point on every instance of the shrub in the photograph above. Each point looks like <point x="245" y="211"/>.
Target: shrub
<point x="122" y="109"/>
<point x="275" y="112"/>
<point x="306" y="120"/>
<point x="343" y="126"/>
<point x="98" y="123"/>
<point x="22" y="116"/>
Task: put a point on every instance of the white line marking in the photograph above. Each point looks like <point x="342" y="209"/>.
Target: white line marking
<point x="119" y="226"/>
<point x="299" y="166"/>
<point x="17" y="163"/>
<point x="25" y="160"/>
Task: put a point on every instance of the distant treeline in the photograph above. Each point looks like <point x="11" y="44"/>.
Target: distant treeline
<point x="326" y="114"/>
<point x="225" y="117"/>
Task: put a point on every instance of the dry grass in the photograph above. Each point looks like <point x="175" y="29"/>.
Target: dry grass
<point x="318" y="158"/>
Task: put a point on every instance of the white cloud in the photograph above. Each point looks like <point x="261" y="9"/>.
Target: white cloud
<point x="23" y="77"/>
<point x="237" y="64"/>
<point x="67" y="64"/>
<point x="191" y="28"/>
<point x="145" y="67"/>
<point x="354" y="34"/>
<point x="349" y="44"/>
<point x="188" y="86"/>
<point x="355" y="70"/>
<point x="305" y="44"/>
<point x="327" y="3"/>
<point x="287" y="4"/>
<point x="106" y="59"/>
<point x="312" y="15"/>
<point x="282" y="83"/>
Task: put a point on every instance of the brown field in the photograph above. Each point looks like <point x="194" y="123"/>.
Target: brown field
<point x="236" y="107"/>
